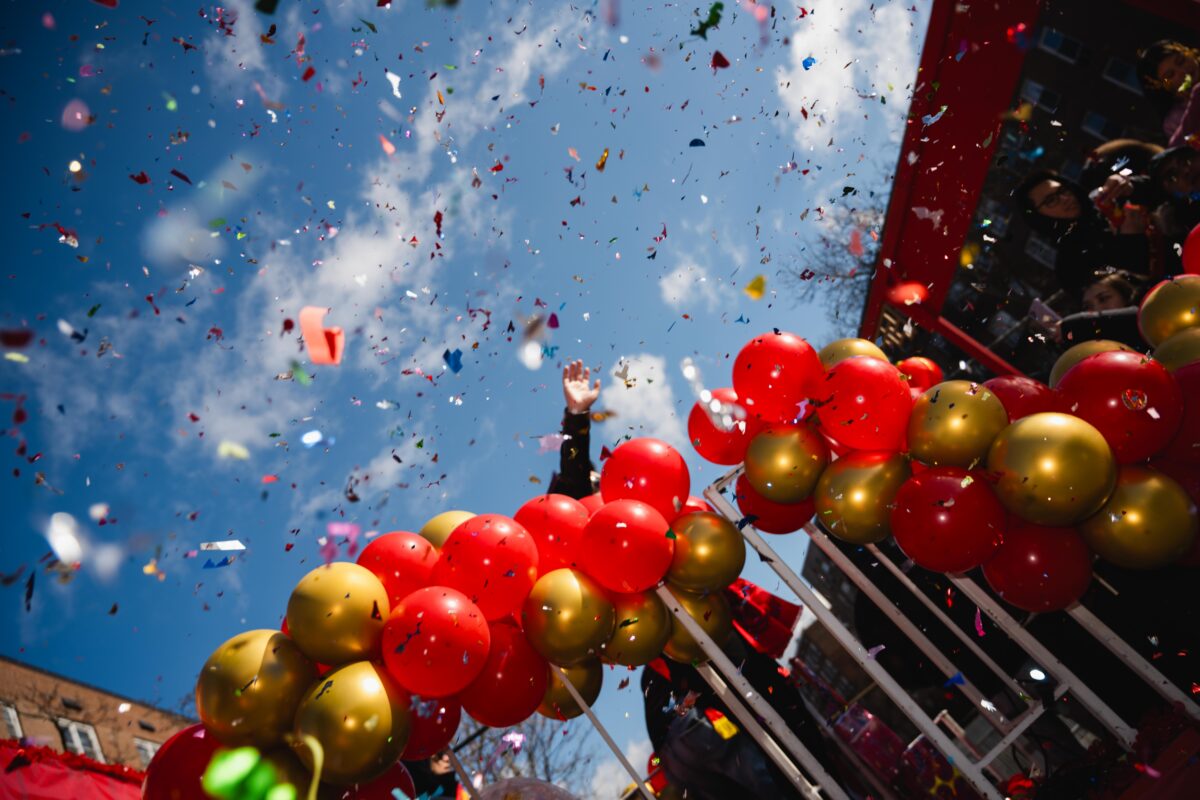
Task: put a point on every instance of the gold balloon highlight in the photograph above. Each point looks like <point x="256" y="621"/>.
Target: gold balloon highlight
<point x="854" y="496"/>
<point x="1053" y="469"/>
<point x="360" y="717"/>
<point x="1170" y="307"/>
<point x="715" y="617"/>
<point x="1147" y="523"/>
<point x="438" y="529"/>
<point x="841" y="349"/>
<point x="1079" y="352"/>
<point x="249" y="688"/>
<point x="954" y="423"/>
<point x="336" y="613"/>
<point x="587" y="679"/>
<point x="642" y="629"/>
<point x="709" y="552"/>
<point x="567" y="617"/>
<point x="784" y="462"/>
<point x="1181" y="349"/>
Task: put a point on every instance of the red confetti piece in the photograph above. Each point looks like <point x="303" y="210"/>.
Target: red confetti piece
<point x="719" y="61"/>
<point x="270" y="478"/>
<point x="141" y="178"/>
<point x="181" y="176"/>
<point x="308" y="74"/>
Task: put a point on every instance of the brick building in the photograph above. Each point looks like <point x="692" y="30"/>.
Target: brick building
<point x="50" y="710"/>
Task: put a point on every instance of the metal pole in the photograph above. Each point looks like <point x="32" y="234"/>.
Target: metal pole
<point x="600" y="729"/>
<point x="750" y="695"/>
<point x="847" y="640"/>
<point x="463" y="777"/>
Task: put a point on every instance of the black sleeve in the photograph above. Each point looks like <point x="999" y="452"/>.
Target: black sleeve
<point x="574" y="477"/>
<point x="1119" y="325"/>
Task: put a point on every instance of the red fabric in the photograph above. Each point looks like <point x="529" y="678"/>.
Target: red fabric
<point x="766" y="621"/>
<point x="39" y="773"/>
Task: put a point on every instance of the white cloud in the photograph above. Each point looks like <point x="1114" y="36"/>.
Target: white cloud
<point x="643" y="400"/>
<point x="610" y="778"/>
<point x="689" y="286"/>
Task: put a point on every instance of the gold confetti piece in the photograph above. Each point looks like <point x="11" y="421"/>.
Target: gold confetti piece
<point x="20" y="358"/>
<point x="756" y="288"/>
<point x="603" y="160"/>
<point x="228" y="449"/>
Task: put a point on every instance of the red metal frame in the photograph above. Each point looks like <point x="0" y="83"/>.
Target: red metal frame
<point x="970" y="65"/>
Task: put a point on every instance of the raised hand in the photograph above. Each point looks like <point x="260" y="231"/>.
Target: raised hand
<point x="577" y="390"/>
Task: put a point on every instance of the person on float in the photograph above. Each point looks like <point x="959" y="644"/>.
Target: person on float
<point x="576" y="476"/>
<point x="1170" y="75"/>
<point x="435" y="776"/>
<point x="1175" y="173"/>
<point x="1110" y="306"/>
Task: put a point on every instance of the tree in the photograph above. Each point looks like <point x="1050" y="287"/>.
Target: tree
<point x="562" y="753"/>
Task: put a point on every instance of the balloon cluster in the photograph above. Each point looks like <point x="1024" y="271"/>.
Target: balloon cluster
<point x="1024" y="479"/>
<point x="378" y="659"/>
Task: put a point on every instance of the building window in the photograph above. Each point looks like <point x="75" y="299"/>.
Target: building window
<point x="1040" y="250"/>
<point x="145" y="750"/>
<point x="1123" y="74"/>
<point x="12" y="721"/>
<point x="1100" y="126"/>
<point x="1058" y="43"/>
<point x="80" y="738"/>
<point x="1042" y="97"/>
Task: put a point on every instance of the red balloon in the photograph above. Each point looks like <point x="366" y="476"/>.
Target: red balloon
<point x="625" y="547"/>
<point x="1191" y="252"/>
<point x="175" y="771"/>
<point x="1022" y="396"/>
<point x="1184" y="447"/>
<point x="774" y="373"/>
<point x="593" y="503"/>
<point x="649" y="470"/>
<point x="556" y="524"/>
<point x="434" y="723"/>
<point x="435" y="643"/>
<point x="402" y="561"/>
<point x="864" y="404"/>
<point x="922" y="372"/>
<point x="947" y="519"/>
<point x="491" y="559"/>
<point x="769" y="516"/>
<point x="397" y="777"/>
<point x="693" y="505"/>
<point x="716" y="445"/>
<point x="1038" y="568"/>
<point x="907" y="294"/>
<point x="513" y="681"/>
<point x="1131" y="399"/>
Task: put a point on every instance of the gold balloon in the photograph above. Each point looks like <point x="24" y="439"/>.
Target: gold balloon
<point x="709" y="552"/>
<point x="1181" y="349"/>
<point x="1148" y="522"/>
<point x="567" y="617"/>
<point x="643" y="627"/>
<point x="854" y="496"/>
<point x="954" y="423"/>
<point x="1170" y="307"/>
<point x="1079" y="352"/>
<point x="713" y="613"/>
<point x="1052" y="469"/>
<point x="249" y="688"/>
<point x="360" y="717"/>
<point x="336" y="613"/>
<point x="438" y="529"/>
<point x="288" y="768"/>
<point x="841" y="349"/>
<point x="558" y="702"/>
<point x="784" y="462"/>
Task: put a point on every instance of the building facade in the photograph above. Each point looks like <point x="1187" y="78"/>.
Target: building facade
<point x="51" y="710"/>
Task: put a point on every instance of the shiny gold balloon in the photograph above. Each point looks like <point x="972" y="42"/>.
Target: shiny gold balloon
<point x="1079" y="352"/>
<point x="709" y="552"/>
<point x="841" y="349"/>
<point x="643" y="627"/>
<point x="567" y="617"/>
<point x="336" y="613"/>
<point x="1170" y="307"/>
<point x="1052" y="469"/>
<point x="784" y="462"/>
<point x="1147" y="523"/>
<point x="1181" y="349"/>
<point x="288" y="768"/>
<point x="360" y="716"/>
<point x="249" y="688"/>
<point x="854" y="496"/>
<point x="438" y="529"/>
<point x="713" y="613"/>
<point x="954" y="423"/>
<point x="586" y="677"/>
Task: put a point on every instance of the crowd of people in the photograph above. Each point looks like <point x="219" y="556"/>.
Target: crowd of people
<point x="1120" y="227"/>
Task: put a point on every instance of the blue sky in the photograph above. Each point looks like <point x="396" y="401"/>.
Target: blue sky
<point x="218" y="192"/>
